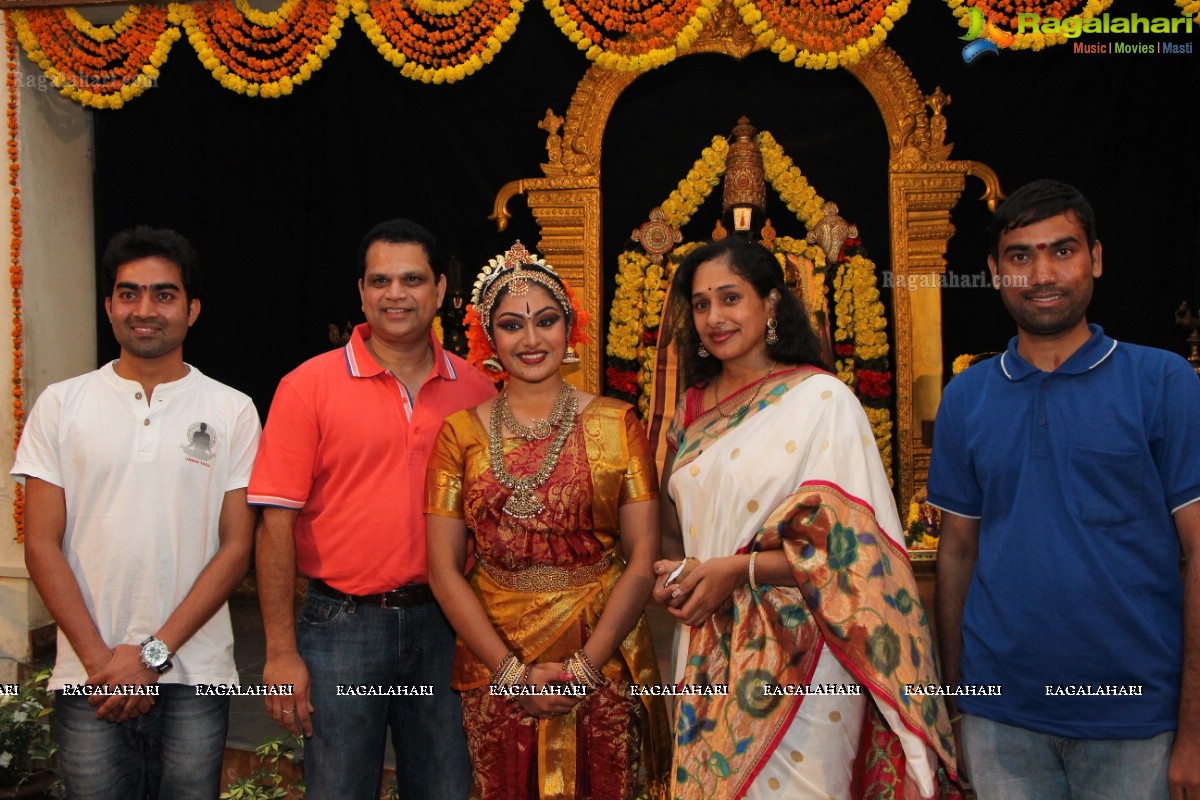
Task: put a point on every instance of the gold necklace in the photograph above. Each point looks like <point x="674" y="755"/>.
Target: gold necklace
<point x="539" y="428"/>
<point x="522" y="503"/>
<point x="741" y="412"/>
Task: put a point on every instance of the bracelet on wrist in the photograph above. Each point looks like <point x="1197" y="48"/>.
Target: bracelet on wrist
<point x="753" y="585"/>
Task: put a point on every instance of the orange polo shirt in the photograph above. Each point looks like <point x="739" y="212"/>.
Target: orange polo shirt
<point x="347" y="446"/>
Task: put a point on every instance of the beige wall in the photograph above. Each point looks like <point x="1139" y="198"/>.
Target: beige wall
<point x="58" y="303"/>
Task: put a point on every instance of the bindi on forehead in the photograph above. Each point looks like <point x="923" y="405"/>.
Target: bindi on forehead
<point x="1041" y="245"/>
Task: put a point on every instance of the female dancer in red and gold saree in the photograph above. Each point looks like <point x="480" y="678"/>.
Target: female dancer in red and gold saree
<point x="795" y="574"/>
<point x="556" y="490"/>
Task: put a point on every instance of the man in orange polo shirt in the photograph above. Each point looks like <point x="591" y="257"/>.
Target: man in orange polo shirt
<point x="340" y="475"/>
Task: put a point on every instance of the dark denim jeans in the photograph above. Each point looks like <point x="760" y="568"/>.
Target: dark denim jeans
<point x="172" y="752"/>
<point x="366" y="646"/>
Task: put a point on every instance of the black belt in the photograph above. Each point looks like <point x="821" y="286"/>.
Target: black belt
<point x="414" y="594"/>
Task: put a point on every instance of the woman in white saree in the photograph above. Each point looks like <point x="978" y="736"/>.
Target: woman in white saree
<point x="785" y="562"/>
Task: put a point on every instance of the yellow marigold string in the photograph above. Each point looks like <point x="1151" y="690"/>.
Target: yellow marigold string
<point x="786" y="179"/>
<point x="99" y="66"/>
<point x="438" y="48"/>
<point x="696" y="186"/>
<point x="16" y="276"/>
<point x="861" y="326"/>
<point x="625" y="316"/>
<point x="263" y="54"/>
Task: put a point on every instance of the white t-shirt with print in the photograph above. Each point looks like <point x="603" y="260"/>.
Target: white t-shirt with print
<point x="144" y="486"/>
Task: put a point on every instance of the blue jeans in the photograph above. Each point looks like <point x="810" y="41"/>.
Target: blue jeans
<point x="172" y="752"/>
<point x="1009" y="763"/>
<point x="347" y="644"/>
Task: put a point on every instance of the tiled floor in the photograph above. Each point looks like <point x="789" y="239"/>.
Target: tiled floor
<point x="248" y="723"/>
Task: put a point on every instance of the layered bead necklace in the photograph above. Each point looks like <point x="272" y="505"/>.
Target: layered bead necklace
<point x="522" y="502"/>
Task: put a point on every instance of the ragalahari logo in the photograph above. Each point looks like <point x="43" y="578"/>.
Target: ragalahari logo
<point x="983" y="36"/>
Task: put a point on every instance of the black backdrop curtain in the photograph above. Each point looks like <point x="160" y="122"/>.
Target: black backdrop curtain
<point x="276" y="193"/>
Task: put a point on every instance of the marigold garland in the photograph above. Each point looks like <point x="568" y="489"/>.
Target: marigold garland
<point x="267" y="53"/>
<point x="860" y="342"/>
<point x="263" y="54"/>
<point x="438" y="48"/>
<point x="16" y="275"/>
<point x="1002" y="15"/>
<point x="100" y="66"/>
<point x="821" y="34"/>
<point x="786" y="179"/>
<point x="699" y="182"/>
<point x="628" y="35"/>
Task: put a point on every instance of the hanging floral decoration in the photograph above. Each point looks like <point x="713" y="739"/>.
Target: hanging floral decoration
<point x="1001" y="17"/>
<point x="16" y="276"/>
<point x="821" y="34"/>
<point x="100" y="66"/>
<point x="632" y="36"/>
<point x="268" y="53"/>
<point x="438" y="42"/>
<point x="786" y="179"/>
<point x="860" y="344"/>
<point x="263" y="54"/>
<point x="860" y="332"/>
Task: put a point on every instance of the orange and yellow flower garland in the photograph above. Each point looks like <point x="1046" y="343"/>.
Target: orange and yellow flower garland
<point x="263" y="54"/>
<point x="15" y="273"/>
<point x="821" y="34"/>
<point x="438" y="42"/>
<point x="631" y="35"/>
<point x="266" y="54"/>
<point x="98" y="66"/>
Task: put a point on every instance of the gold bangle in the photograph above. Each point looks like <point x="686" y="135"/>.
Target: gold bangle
<point x="753" y="585"/>
<point x="596" y="676"/>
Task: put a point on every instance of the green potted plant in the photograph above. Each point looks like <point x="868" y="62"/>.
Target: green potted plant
<point x="27" y="763"/>
<point x="271" y="781"/>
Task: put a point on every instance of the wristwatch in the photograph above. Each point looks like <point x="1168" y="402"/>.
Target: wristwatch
<point x="155" y="655"/>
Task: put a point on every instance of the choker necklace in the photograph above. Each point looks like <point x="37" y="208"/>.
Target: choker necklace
<point x="522" y="503"/>
<point x="539" y="428"/>
<point x="741" y="411"/>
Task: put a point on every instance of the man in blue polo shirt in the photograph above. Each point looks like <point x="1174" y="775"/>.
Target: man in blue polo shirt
<point x="1068" y="471"/>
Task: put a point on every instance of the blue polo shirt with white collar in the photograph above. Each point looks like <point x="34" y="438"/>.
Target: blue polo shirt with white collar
<point x="1075" y="605"/>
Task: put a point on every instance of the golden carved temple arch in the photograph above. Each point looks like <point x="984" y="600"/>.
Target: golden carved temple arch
<point x="924" y="185"/>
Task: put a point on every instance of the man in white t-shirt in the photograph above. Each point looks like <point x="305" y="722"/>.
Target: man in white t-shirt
<point x="136" y="532"/>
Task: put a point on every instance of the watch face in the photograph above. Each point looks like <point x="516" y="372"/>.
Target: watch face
<point x="155" y="653"/>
